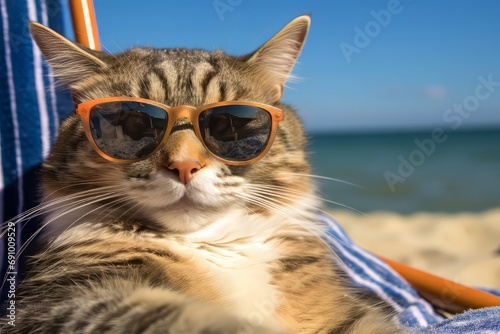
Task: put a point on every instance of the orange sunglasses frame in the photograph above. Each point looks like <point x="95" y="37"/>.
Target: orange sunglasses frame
<point x="174" y="113"/>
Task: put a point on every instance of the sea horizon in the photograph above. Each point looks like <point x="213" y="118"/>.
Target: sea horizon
<point x="408" y="171"/>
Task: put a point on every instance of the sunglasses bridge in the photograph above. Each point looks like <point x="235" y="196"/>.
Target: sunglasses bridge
<point x="182" y="111"/>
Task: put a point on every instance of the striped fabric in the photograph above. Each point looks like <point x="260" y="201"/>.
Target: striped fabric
<point x="30" y="108"/>
<point x="370" y="273"/>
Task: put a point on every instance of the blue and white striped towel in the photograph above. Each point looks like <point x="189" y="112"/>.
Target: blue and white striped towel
<point x="370" y="273"/>
<point x="30" y="110"/>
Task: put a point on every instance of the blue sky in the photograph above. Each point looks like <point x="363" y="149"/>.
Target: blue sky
<point x="367" y="65"/>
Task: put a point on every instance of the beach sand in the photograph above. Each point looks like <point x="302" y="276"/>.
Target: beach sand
<point x="463" y="247"/>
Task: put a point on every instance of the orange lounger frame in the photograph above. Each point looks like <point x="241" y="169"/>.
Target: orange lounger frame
<point x="442" y="293"/>
<point x="84" y="23"/>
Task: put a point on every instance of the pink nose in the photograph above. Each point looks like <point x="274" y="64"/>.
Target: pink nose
<point x="185" y="169"/>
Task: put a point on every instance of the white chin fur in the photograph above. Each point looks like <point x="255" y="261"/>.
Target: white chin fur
<point x="165" y="190"/>
<point x="186" y="208"/>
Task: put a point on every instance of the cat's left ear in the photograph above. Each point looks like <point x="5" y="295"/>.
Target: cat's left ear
<point x="70" y="62"/>
<point x="275" y="59"/>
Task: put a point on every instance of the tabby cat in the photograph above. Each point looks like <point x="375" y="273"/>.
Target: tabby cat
<point x="189" y="218"/>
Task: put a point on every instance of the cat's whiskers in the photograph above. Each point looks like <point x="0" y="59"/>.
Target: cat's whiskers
<point x="323" y="178"/>
<point x="78" y="184"/>
<point x="126" y="201"/>
<point x="78" y="96"/>
<point x="103" y="47"/>
<point x="137" y="74"/>
<point x="76" y="206"/>
<point x="101" y="207"/>
<point x="303" y="221"/>
<point x="287" y="211"/>
<point x="263" y="200"/>
<point x="267" y="204"/>
<point x="297" y="195"/>
<point x="77" y="195"/>
<point x="300" y="194"/>
<point x="113" y="204"/>
<point x="52" y="205"/>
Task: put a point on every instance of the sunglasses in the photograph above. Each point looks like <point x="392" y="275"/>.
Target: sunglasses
<point x="128" y="129"/>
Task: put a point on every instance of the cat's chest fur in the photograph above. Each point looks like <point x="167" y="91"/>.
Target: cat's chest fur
<point x="228" y="263"/>
<point x="235" y="254"/>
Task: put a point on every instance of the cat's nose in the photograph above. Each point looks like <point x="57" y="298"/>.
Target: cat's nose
<point x="185" y="169"/>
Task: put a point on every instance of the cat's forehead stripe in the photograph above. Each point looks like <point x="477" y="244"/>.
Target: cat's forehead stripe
<point x="169" y="72"/>
<point x="156" y="89"/>
<point x="212" y="93"/>
<point x="203" y="73"/>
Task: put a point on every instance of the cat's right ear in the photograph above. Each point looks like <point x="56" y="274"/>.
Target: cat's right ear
<point x="273" y="62"/>
<point x="70" y="62"/>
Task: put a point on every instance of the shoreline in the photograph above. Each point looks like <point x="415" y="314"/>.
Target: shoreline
<point x="463" y="247"/>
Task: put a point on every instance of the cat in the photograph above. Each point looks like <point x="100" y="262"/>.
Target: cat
<point x="181" y="240"/>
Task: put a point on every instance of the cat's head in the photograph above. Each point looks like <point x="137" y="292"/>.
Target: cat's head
<point x="151" y="189"/>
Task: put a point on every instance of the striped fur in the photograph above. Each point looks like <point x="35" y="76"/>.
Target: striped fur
<point x="130" y="249"/>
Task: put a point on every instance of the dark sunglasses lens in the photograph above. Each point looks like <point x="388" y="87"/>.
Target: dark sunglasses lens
<point x="127" y="130"/>
<point x="236" y="132"/>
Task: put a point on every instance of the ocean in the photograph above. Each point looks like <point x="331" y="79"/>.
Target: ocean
<point x="409" y="172"/>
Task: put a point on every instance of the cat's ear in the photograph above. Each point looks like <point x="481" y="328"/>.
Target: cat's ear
<point x="276" y="58"/>
<point x="69" y="61"/>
